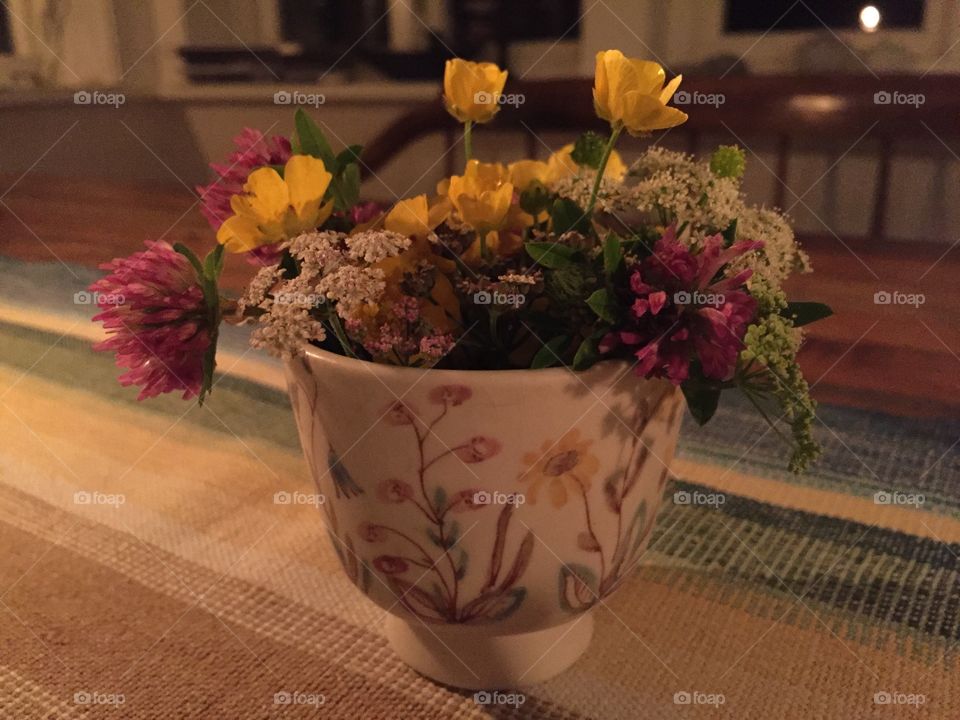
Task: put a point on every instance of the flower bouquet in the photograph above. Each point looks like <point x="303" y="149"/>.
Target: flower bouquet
<point x="488" y="381"/>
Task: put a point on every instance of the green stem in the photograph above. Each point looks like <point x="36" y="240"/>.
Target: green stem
<point x="614" y="134"/>
<point x="468" y="139"/>
<point x="338" y="330"/>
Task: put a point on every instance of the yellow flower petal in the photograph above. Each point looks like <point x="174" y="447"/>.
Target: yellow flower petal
<point x="307" y="181"/>
<point x="643" y="113"/>
<point x="409" y="217"/>
<point x="240" y="233"/>
<point x="670" y="89"/>
<point x="268" y="196"/>
<point x="524" y="172"/>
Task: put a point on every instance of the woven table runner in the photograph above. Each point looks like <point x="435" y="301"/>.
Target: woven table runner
<point x="148" y="573"/>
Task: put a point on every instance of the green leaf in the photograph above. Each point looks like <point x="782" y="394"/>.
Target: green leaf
<point x="550" y="254"/>
<point x="804" y="313"/>
<point x="702" y="400"/>
<point x="347" y="187"/>
<point x="567" y="215"/>
<point x="348" y="155"/>
<point x="462" y="565"/>
<point x="209" y="365"/>
<point x="612" y="254"/>
<point x="549" y="354"/>
<point x="587" y="354"/>
<point x="213" y="263"/>
<point x="312" y="141"/>
<point x="730" y="234"/>
<point x="440" y="499"/>
<point x="192" y="257"/>
<point x="603" y="304"/>
<point x="588" y="150"/>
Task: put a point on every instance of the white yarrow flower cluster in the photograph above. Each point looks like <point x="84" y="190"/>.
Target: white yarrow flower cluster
<point x="334" y="276"/>
<point x="675" y="186"/>
<point x="354" y="289"/>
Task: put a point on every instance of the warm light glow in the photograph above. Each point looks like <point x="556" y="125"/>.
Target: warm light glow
<point x="869" y="18"/>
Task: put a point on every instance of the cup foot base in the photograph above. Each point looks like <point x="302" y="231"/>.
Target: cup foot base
<point x="475" y="658"/>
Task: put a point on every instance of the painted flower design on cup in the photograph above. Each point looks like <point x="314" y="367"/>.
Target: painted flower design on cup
<point x="567" y="467"/>
<point x="438" y="565"/>
<point x="560" y="468"/>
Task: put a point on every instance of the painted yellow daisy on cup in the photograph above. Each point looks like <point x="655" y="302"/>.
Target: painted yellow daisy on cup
<point x="560" y="468"/>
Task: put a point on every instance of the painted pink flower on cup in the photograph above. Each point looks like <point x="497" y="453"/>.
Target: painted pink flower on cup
<point x="390" y="564"/>
<point x="372" y="533"/>
<point x="155" y="314"/>
<point x="469" y="499"/>
<point x="399" y="414"/>
<point x="450" y="394"/>
<point x="394" y="490"/>
<point x="478" y="449"/>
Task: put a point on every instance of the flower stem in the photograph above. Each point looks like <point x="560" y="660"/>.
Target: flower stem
<point x="468" y="139"/>
<point x="614" y="134"/>
<point x="341" y="334"/>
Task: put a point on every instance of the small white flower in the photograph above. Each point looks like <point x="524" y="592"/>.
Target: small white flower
<point x="353" y="288"/>
<point x="375" y="245"/>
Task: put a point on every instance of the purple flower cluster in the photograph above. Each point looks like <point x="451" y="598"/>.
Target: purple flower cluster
<point x="684" y="308"/>
<point x="253" y="150"/>
<point x="154" y="311"/>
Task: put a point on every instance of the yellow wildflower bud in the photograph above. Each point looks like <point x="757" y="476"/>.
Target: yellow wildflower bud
<point x="471" y="91"/>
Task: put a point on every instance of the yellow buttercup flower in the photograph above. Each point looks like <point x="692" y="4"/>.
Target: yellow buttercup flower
<point x="482" y="195"/>
<point x="471" y="91"/>
<point x="561" y="165"/>
<point x="415" y="218"/>
<point x="630" y="93"/>
<point x="274" y="208"/>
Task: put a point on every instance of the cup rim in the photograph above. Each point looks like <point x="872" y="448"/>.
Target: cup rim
<point x="354" y="365"/>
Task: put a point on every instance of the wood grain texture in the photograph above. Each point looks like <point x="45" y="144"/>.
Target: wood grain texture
<point x="892" y="358"/>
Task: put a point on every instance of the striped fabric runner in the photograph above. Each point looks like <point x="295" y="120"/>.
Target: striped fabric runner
<point x="148" y="573"/>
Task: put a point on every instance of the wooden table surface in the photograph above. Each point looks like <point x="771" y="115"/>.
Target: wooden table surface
<point x="898" y="359"/>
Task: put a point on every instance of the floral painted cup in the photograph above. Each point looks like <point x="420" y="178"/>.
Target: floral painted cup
<point x="486" y="511"/>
